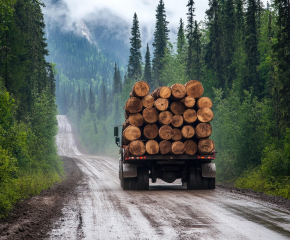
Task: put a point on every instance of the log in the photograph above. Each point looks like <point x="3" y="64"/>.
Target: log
<point x="190" y="147"/>
<point x="162" y="92"/>
<point x="148" y="101"/>
<point x="204" y="115"/>
<point x="140" y="89"/>
<point x="126" y="124"/>
<point x="178" y="147"/>
<point x="134" y="105"/>
<point x="203" y="130"/>
<point x="132" y="133"/>
<point x="152" y="147"/>
<point x="150" y="131"/>
<point x="177" y="121"/>
<point x="178" y="91"/>
<point x="165" y="147"/>
<point x="137" y="148"/>
<point x="165" y="117"/>
<point x="150" y="115"/>
<point x="165" y="132"/>
<point x="188" y="101"/>
<point x="190" y="116"/>
<point x="177" y="107"/>
<point x="127" y="114"/>
<point x="187" y="131"/>
<point x="126" y="150"/>
<point x="194" y="89"/>
<point x="176" y="134"/>
<point x="205" y="146"/>
<point x="161" y="104"/>
<point x="136" y="119"/>
<point x="204" y="102"/>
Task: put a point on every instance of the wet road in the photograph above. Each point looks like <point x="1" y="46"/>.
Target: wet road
<point x="102" y="210"/>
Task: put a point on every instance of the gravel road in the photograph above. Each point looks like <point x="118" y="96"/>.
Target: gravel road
<point x="102" y="210"/>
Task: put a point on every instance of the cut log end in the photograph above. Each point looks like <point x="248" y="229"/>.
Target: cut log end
<point x="140" y="89"/>
<point x="187" y="131"/>
<point x="161" y="104"/>
<point x="136" y="119"/>
<point x="165" y="118"/>
<point x="134" y="105"/>
<point x="178" y="147"/>
<point x="177" y="121"/>
<point x="150" y="131"/>
<point x="148" y="101"/>
<point x="205" y="146"/>
<point x="189" y="102"/>
<point x="152" y="147"/>
<point x="204" y="115"/>
<point x="190" y="147"/>
<point x="165" y="147"/>
<point x="162" y="92"/>
<point x="132" y="133"/>
<point x="203" y="130"/>
<point x="178" y="91"/>
<point x="137" y="148"/>
<point x="204" y="102"/>
<point x="190" y="116"/>
<point x="177" y="107"/>
<point x="165" y="132"/>
<point x="150" y="115"/>
<point x="176" y="134"/>
<point x="194" y="89"/>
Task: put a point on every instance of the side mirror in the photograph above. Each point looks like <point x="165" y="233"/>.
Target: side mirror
<point x="116" y="131"/>
<point x="117" y="141"/>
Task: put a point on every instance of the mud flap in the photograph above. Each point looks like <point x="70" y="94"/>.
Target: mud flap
<point x="208" y="170"/>
<point x="129" y="170"/>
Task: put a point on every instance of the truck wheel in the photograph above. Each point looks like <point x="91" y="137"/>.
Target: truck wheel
<point x="129" y="183"/>
<point x="142" y="179"/>
<point x="191" y="179"/>
<point x="211" y="183"/>
<point x="205" y="183"/>
<point x="198" y="179"/>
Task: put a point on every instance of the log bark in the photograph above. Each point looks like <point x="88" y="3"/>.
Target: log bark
<point x="177" y="121"/>
<point x="137" y="148"/>
<point x="162" y="92"/>
<point x="204" y="115"/>
<point x="190" y="147"/>
<point x="204" y="102"/>
<point x="188" y="101"/>
<point x="177" y="107"/>
<point x="127" y="114"/>
<point x="136" y="119"/>
<point x="205" y="146"/>
<point x="132" y="133"/>
<point x="187" y="131"/>
<point x="161" y="104"/>
<point x="134" y="105"/>
<point x="165" y="147"/>
<point x="178" y="147"/>
<point x="178" y="91"/>
<point x="165" y="117"/>
<point x="126" y="124"/>
<point x="152" y="147"/>
<point x="150" y="115"/>
<point x="176" y="134"/>
<point x="203" y="130"/>
<point x="126" y="150"/>
<point x="190" y="116"/>
<point x="148" y="101"/>
<point x="194" y="89"/>
<point x="150" y="131"/>
<point x="140" y="89"/>
<point x="165" y="132"/>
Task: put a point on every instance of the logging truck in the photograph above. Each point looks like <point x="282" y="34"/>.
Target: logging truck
<point x="166" y="136"/>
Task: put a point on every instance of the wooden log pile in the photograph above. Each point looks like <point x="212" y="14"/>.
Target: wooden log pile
<point x="170" y="120"/>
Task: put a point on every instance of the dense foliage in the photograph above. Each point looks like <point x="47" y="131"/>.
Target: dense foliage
<point x="28" y="154"/>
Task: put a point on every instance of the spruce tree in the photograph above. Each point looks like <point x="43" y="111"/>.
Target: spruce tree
<point x="117" y="81"/>
<point x="160" y="42"/>
<point x="135" y="58"/>
<point x="196" y="69"/>
<point x="103" y="102"/>
<point x="240" y="22"/>
<point x="83" y="103"/>
<point x="180" y="39"/>
<point x="119" y="77"/>
<point x="91" y="101"/>
<point x="147" y="68"/>
<point x="190" y="38"/>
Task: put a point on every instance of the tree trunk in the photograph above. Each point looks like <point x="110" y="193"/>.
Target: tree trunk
<point x="165" y="132"/>
<point x="137" y="148"/>
<point x="150" y="115"/>
<point x="205" y="146"/>
<point x="131" y="133"/>
<point x="177" y="121"/>
<point x="176" y="134"/>
<point x="177" y="107"/>
<point x="148" y="101"/>
<point x="140" y="89"/>
<point x="187" y="131"/>
<point x="165" y="147"/>
<point x="162" y="92"/>
<point x="204" y="102"/>
<point x="203" y="130"/>
<point x="190" y="147"/>
<point x="189" y="102"/>
<point x="190" y="116"/>
<point x="165" y="117"/>
<point x="178" y="91"/>
<point x="152" y="147"/>
<point x="161" y="104"/>
<point x="151" y="131"/>
<point x="136" y="119"/>
<point x="204" y="115"/>
<point x="134" y="105"/>
<point x="194" y="89"/>
<point x="178" y="147"/>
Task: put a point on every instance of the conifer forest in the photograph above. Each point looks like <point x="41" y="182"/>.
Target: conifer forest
<point x="240" y="53"/>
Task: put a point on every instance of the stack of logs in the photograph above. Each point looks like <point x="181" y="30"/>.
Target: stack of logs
<point x="170" y="120"/>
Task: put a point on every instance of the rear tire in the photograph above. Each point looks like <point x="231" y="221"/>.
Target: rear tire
<point x="211" y="183"/>
<point x="142" y="179"/>
<point x="191" y="184"/>
<point x="205" y="183"/>
<point x="198" y="179"/>
<point x="129" y="184"/>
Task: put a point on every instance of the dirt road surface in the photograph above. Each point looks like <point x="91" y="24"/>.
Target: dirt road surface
<point x="102" y="210"/>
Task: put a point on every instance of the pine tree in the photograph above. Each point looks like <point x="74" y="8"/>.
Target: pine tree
<point x="160" y="42"/>
<point x="91" y="101"/>
<point x="240" y="22"/>
<point x="117" y="81"/>
<point x="180" y="38"/>
<point x="190" y="38"/>
<point x="135" y="58"/>
<point x="103" y="102"/>
<point x="147" y="68"/>
<point x="196" y="54"/>
<point x="83" y="103"/>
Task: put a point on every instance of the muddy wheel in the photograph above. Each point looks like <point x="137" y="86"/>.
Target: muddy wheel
<point x="129" y="183"/>
<point x="191" y="184"/>
<point x="142" y="179"/>
<point x="205" y="183"/>
<point x="211" y="183"/>
<point x="198" y="179"/>
<point x="121" y="175"/>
